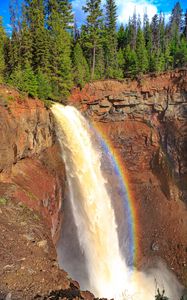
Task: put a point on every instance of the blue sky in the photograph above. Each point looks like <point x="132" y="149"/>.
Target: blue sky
<point x="125" y="9"/>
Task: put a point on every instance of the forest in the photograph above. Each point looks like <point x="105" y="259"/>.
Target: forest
<point x="47" y="54"/>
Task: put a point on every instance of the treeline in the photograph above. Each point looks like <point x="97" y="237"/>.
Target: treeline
<point x="46" y="54"/>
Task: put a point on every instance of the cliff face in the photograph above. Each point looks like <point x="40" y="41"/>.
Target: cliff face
<point x="146" y="122"/>
<point x="31" y="170"/>
<point x="156" y="103"/>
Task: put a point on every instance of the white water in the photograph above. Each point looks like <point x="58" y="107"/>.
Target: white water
<point x="94" y="217"/>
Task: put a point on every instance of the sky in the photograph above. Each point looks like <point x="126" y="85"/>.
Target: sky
<point x="125" y="9"/>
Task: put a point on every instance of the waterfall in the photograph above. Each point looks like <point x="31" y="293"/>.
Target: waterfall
<point x="93" y="213"/>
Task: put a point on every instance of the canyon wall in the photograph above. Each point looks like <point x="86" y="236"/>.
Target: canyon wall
<point x="31" y="169"/>
<point x="146" y="121"/>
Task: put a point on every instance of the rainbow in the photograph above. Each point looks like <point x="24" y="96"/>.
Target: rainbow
<point x="129" y="199"/>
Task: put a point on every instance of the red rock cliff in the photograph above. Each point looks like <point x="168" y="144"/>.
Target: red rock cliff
<point x="31" y="170"/>
<point x="146" y="121"/>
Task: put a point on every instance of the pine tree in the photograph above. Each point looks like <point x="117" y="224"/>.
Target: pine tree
<point x="162" y="39"/>
<point x="111" y="38"/>
<point x="131" y="61"/>
<point x="14" y="46"/>
<point x="2" y="58"/>
<point x="81" y="69"/>
<point x="155" y="32"/>
<point x="148" y="37"/>
<point x="122" y="37"/>
<point x="176" y="20"/>
<point x="181" y="54"/>
<point x="25" y="80"/>
<point x="168" y="57"/>
<point x="141" y="52"/>
<point x="30" y="84"/>
<point x="133" y="30"/>
<point x="65" y="9"/>
<point x="100" y="70"/>
<point x="175" y="26"/>
<point x="26" y="40"/>
<point x="44" y="89"/>
<point x="60" y="49"/>
<point x="39" y="35"/>
<point x="121" y="62"/>
<point x="92" y="30"/>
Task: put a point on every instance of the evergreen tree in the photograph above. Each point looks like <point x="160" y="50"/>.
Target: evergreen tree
<point x="111" y="38"/>
<point x="176" y="19"/>
<point x="175" y="26"/>
<point x="44" y="89"/>
<point x="92" y="30"/>
<point x="2" y="59"/>
<point x="121" y="62"/>
<point x="133" y="30"/>
<point x="155" y="32"/>
<point x="100" y="70"/>
<point x="26" y="41"/>
<point x="25" y="80"/>
<point x="14" y="46"/>
<point x="30" y="84"/>
<point x="131" y="62"/>
<point x="65" y="9"/>
<point x="180" y="58"/>
<point x="39" y="35"/>
<point x="168" y="57"/>
<point x="81" y="69"/>
<point x="60" y="49"/>
<point x="141" y="52"/>
<point x="122" y="37"/>
<point x="147" y="37"/>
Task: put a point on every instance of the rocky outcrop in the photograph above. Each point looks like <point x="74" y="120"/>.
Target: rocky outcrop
<point x="159" y="101"/>
<point x="25" y="129"/>
<point x="31" y="169"/>
<point x="161" y="96"/>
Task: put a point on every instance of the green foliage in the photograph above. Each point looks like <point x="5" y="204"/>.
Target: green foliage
<point x="46" y="54"/>
<point x="131" y="61"/>
<point x="81" y="69"/>
<point x="2" y="59"/>
<point x="92" y="38"/>
<point x="44" y="89"/>
<point x="111" y="39"/>
<point x="141" y="52"/>
<point x="25" y="80"/>
<point x="181" y="54"/>
<point x="60" y="49"/>
<point x="121" y="37"/>
<point x="120" y="62"/>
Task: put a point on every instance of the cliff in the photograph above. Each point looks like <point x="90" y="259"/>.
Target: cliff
<point x="31" y="170"/>
<point x="145" y="119"/>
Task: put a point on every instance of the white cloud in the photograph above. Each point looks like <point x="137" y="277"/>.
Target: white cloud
<point x="126" y="9"/>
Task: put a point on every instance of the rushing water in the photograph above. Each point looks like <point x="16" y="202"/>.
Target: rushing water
<point x="107" y="272"/>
